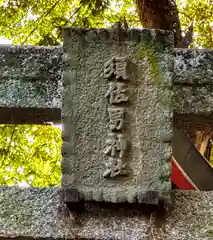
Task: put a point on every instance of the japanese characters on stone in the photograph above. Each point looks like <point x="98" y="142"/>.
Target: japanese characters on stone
<point x="117" y="67"/>
<point x="115" y="70"/>
<point x="116" y="116"/>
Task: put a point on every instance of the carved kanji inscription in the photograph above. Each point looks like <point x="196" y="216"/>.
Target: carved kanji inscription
<point x="116" y="118"/>
<point x="114" y="167"/>
<point x="115" y="145"/>
<point x="116" y="66"/>
<point x="113" y="115"/>
<point x="117" y="93"/>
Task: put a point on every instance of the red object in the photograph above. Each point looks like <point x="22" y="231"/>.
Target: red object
<point x="179" y="178"/>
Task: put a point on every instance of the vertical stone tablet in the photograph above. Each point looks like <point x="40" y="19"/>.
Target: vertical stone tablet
<point x="117" y="115"/>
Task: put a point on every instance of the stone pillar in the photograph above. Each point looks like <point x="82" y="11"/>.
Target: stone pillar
<point x="117" y="115"/>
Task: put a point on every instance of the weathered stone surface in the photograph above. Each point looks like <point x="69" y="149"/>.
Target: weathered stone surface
<point x="193" y="79"/>
<point x="31" y="77"/>
<point x="86" y="118"/>
<point x="193" y="66"/>
<point x="193" y="99"/>
<point x="40" y="213"/>
<point x="29" y="115"/>
<point x="192" y="121"/>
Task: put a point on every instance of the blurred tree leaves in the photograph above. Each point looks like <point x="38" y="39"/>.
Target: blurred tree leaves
<point x="39" y="22"/>
<point x="201" y="12"/>
<point x="30" y="154"/>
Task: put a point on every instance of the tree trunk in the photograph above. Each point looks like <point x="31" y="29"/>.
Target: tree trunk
<point x="162" y="14"/>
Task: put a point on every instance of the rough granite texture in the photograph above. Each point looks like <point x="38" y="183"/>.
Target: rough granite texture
<point x="193" y="99"/>
<point x="193" y="66"/>
<point x="30" y="76"/>
<point x="193" y="81"/>
<point x="147" y="115"/>
<point x="40" y="213"/>
<point x="191" y="121"/>
<point x="34" y="74"/>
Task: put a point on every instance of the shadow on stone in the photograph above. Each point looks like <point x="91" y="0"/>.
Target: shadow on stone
<point x="93" y="210"/>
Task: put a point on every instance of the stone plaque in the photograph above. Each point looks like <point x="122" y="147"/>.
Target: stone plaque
<point x="117" y="115"/>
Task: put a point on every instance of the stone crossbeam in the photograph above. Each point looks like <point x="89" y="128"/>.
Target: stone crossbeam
<point x="31" y="84"/>
<point x="193" y="67"/>
<point x="31" y="81"/>
<point x="193" y="81"/>
<point x="39" y="213"/>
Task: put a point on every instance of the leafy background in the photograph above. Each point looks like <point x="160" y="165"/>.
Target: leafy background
<point x="31" y="154"/>
<point x="39" y="22"/>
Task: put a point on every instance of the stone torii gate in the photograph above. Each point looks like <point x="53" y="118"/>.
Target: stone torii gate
<point x="117" y="108"/>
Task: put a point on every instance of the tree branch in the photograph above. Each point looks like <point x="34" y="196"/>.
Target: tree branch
<point x="43" y="15"/>
<point x="76" y="11"/>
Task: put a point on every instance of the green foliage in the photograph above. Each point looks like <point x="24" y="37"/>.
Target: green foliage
<point x="39" y="22"/>
<point x="201" y="12"/>
<point x="30" y="153"/>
